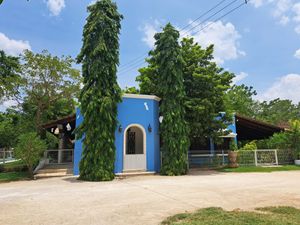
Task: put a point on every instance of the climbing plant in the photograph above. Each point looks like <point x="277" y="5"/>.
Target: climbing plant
<point x="174" y="130"/>
<point x="100" y="95"/>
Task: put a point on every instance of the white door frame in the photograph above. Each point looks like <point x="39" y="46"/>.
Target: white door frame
<point x="144" y="143"/>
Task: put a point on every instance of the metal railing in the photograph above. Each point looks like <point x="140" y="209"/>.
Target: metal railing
<point x="260" y="157"/>
<point x="59" y="156"/>
<point x="6" y="155"/>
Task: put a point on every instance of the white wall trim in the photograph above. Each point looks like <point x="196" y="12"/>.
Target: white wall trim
<point x="152" y="97"/>
<point x="144" y="141"/>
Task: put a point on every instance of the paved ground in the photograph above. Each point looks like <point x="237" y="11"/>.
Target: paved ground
<point x="141" y="200"/>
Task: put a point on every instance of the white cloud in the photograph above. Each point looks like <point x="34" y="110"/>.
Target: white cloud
<point x="11" y="46"/>
<point x="55" y="6"/>
<point x="257" y="3"/>
<point x="297" y="29"/>
<point x="224" y="36"/>
<point x="287" y="87"/>
<point x="239" y="77"/>
<point x="284" y="11"/>
<point x="149" y="31"/>
<point x="284" y="20"/>
<point x="296" y="10"/>
<point x="297" y="54"/>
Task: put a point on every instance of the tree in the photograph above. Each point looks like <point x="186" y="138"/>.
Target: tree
<point x="174" y="130"/>
<point x="50" y="83"/>
<point x="30" y="148"/>
<point x="101" y="94"/>
<point x="278" y="111"/>
<point x="9" y="75"/>
<point x="239" y="99"/>
<point x="205" y="86"/>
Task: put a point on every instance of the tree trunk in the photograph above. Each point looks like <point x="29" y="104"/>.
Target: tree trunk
<point x="30" y="172"/>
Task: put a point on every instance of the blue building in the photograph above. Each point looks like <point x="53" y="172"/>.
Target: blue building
<point x="136" y="137"/>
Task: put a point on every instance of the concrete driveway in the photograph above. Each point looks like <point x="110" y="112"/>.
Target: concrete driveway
<point x="141" y="200"/>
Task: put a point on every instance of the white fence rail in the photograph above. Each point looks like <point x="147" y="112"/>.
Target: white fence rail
<point x="260" y="157"/>
<point x="59" y="156"/>
<point x="6" y="155"/>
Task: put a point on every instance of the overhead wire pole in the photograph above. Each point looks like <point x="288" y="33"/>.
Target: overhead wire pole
<point x="130" y="68"/>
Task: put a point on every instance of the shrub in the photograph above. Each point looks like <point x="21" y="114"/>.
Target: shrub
<point x="30" y="148"/>
<point x="249" y="146"/>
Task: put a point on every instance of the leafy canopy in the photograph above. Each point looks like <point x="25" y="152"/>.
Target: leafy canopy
<point x="100" y="94"/>
<point x="165" y="72"/>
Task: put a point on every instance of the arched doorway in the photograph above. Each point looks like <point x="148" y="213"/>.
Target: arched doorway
<point x="134" y="148"/>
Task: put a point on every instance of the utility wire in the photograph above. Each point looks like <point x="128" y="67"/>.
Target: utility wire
<point x="208" y="25"/>
<point x="128" y="64"/>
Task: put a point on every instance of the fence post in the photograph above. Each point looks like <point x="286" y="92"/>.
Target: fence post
<point x="276" y="157"/>
<point x="255" y="156"/>
<point x="223" y="157"/>
<point x="4" y="156"/>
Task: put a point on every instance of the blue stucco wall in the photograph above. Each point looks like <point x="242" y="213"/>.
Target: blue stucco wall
<point x="144" y="112"/>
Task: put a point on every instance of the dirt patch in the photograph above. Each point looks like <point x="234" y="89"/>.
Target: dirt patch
<point x="142" y="200"/>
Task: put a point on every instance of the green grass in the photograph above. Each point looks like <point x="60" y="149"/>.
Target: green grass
<point x="260" y="169"/>
<point x="13" y="176"/>
<point x="217" y="216"/>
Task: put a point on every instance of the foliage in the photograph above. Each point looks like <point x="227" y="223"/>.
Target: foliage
<point x="101" y="94"/>
<point x="249" y="146"/>
<point x="173" y="130"/>
<point x="50" y="86"/>
<point x="131" y="90"/>
<point x="277" y="141"/>
<point x="9" y="75"/>
<point x="278" y="111"/>
<point x="239" y="99"/>
<point x="30" y="148"/>
<point x="16" y="166"/>
<point x="233" y="146"/>
<point x="205" y="85"/>
<point x="263" y="216"/>
<point x="294" y="137"/>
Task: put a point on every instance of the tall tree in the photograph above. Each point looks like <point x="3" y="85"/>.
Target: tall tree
<point x="174" y="129"/>
<point x="101" y="94"/>
<point x="205" y="85"/>
<point x="48" y="82"/>
<point x="10" y="78"/>
<point x="239" y="99"/>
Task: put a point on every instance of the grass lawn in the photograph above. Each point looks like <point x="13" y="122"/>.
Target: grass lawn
<point x="260" y="169"/>
<point x="217" y="216"/>
<point x="13" y="176"/>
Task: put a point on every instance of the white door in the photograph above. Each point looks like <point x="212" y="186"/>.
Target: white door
<point x="135" y="149"/>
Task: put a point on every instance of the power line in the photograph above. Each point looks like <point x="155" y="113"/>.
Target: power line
<point x="128" y="64"/>
<point x="208" y="25"/>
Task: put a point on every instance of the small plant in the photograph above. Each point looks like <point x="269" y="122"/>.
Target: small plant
<point x="233" y="146"/>
<point x="249" y="146"/>
<point x="30" y="148"/>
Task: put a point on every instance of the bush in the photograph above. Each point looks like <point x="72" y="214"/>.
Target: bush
<point x="17" y="166"/>
<point x="249" y="146"/>
<point x="30" y="149"/>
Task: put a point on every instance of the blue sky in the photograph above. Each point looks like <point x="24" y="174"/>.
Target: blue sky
<point x="260" y="42"/>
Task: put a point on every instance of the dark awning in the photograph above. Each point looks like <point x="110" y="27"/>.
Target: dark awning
<point x="251" y="129"/>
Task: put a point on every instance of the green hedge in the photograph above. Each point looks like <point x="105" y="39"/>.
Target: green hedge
<point x="17" y="166"/>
